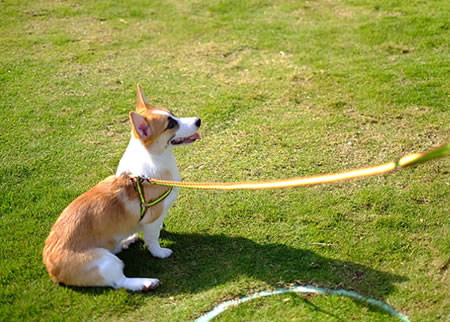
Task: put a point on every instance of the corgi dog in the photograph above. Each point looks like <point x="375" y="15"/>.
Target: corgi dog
<point x="80" y="249"/>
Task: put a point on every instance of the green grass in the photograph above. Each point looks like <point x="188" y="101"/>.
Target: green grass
<point x="284" y="88"/>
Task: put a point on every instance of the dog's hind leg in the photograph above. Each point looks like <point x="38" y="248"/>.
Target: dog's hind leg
<point x="110" y="268"/>
<point x="92" y="267"/>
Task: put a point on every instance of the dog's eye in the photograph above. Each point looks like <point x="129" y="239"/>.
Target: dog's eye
<point x="172" y="123"/>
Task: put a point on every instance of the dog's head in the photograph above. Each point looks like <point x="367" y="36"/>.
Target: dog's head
<point x="158" y="129"/>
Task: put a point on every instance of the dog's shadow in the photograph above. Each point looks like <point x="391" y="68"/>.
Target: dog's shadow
<point x="202" y="261"/>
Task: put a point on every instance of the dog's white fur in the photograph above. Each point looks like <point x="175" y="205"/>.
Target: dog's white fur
<point x="77" y="254"/>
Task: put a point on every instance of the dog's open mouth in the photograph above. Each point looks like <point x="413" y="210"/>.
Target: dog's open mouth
<point x="186" y="140"/>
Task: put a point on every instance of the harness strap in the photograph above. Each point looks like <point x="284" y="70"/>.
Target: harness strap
<point x="137" y="184"/>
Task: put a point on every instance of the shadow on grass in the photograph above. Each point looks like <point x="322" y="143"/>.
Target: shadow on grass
<point x="202" y="261"/>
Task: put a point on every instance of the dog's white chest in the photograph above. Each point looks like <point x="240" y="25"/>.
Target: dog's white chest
<point x="137" y="161"/>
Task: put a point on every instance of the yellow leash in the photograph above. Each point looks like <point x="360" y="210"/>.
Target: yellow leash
<point x="406" y="161"/>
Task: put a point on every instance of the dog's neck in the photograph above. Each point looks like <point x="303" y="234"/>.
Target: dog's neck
<point x="139" y="161"/>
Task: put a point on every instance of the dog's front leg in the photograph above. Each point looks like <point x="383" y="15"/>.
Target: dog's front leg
<point x="151" y="237"/>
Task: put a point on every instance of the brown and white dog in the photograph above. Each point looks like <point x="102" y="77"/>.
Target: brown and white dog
<point x="104" y="220"/>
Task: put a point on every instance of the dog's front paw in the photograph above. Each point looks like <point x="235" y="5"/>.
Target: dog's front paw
<point x="129" y="240"/>
<point x="161" y="252"/>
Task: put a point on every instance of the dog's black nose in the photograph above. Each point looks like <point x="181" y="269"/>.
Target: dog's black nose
<point x="198" y="122"/>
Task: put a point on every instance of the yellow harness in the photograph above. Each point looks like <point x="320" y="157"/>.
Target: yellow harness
<point x="137" y="184"/>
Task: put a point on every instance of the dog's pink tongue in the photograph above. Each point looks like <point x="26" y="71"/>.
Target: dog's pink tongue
<point x="196" y="136"/>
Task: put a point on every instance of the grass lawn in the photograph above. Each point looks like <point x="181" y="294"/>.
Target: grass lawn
<point x="284" y="88"/>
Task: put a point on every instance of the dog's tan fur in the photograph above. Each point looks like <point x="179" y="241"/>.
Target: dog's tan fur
<point x="92" y="221"/>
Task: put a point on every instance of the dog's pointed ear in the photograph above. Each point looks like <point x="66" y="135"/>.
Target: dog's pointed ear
<point x="141" y="101"/>
<point x="140" y="126"/>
